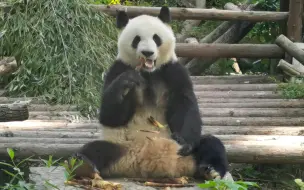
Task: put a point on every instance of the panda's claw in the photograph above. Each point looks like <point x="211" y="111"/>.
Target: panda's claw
<point x="209" y="172"/>
<point x="186" y="150"/>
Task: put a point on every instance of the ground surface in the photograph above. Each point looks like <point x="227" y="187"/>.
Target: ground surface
<point x="56" y="176"/>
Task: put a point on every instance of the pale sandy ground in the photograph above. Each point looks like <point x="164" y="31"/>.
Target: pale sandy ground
<point x="55" y="176"/>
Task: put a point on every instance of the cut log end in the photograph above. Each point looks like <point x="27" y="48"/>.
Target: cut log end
<point x="13" y="112"/>
<point x="290" y="69"/>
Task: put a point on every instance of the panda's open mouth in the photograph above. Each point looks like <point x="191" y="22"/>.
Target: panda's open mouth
<point x="147" y="64"/>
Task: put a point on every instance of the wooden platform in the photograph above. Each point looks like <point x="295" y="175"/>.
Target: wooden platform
<point x="255" y="123"/>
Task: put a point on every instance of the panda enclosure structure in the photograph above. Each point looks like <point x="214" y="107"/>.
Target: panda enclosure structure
<point x="246" y="112"/>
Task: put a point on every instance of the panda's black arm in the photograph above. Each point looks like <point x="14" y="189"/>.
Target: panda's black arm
<point x="182" y="112"/>
<point x="116" y="109"/>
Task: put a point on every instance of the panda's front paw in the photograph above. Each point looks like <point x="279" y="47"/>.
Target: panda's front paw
<point x="186" y="150"/>
<point x="126" y="82"/>
<point x="133" y="77"/>
<point x="175" y="136"/>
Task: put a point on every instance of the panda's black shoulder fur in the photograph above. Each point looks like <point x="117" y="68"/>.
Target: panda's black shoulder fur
<point x="182" y="113"/>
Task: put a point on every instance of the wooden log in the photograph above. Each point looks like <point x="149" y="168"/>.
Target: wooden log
<point x="223" y="34"/>
<point x="33" y="100"/>
<point x="294" y="23"/>
<point x="44" y="107"/>
<point x="284" y="7"/>
<point x="254" y="130"/>
<point x="272" y="153"/>
<point x="216" y="130"/>
<point x="291" y="48"/>
<point x="262" y="138"/>
<point x="290" y="69"/>
<point x="184" y="60"/>
<point x="241" y="152"/>
<point x="8" y="65"/>
<point x="243" y="79"/>
<point x="222" y="28"/>
<point x="247" y="100"/>
<point x="254" y="121"/>
<point x="49" y="134"/>
<point x="13" y="112"/>
<point x="189" y="24"/>
<point x="237" y="94"/>
<point x="195" y="13"/>
<point x="53" y="113"/>
<point x="33" y="124"/>
<point x="46" y="140"/>
<point x="235" y="87"/>
<point x="287" y="104"/>
<point x="251" y="112"/>
<point x="2" y="92"/>
<point x="223" y="50"/>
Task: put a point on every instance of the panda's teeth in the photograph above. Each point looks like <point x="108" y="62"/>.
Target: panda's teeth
<point x="149" y="63"/>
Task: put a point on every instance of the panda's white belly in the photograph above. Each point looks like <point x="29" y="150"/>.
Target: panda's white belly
<point x="139" y="126"/>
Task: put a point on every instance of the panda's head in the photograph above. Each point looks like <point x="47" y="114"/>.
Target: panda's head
<point x="146" y="40"/>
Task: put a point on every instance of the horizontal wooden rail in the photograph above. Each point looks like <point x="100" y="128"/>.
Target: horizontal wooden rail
<point x="196" y="13"/>
<point x="229" y="50"/>
<point x="193" y="13"/>
<point x="238" y="151"/>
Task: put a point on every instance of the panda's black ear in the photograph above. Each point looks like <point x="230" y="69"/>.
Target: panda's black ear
<point x="122" y="19"/>
<point x="165" y="15"/>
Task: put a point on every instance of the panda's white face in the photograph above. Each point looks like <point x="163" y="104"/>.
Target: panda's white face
<point x="146" y="41"/>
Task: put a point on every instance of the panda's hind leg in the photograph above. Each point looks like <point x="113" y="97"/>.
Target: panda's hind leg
<point x="211" y="158"/>
<point x="97" y="155"/>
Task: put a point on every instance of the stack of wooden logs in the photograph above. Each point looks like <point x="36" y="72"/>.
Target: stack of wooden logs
<point x="296" y="68"/>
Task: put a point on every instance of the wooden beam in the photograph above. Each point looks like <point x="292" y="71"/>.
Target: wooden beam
<point x="229" y="50"/>
<point x="284" y="7"/>
<point x="290" y="69"/>
<point x="196" y="13"/>
<point x="291" y="48"/>
<point x="294" y="23"/>
<point x="276" y="151"/>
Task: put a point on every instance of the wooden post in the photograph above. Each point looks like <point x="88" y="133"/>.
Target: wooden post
<point x="284" y="7"/>
<point x="294" y="23"/>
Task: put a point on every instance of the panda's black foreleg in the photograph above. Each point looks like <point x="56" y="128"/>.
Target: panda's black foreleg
<point x="182" y="113"/>
<point x="119" y="98"/>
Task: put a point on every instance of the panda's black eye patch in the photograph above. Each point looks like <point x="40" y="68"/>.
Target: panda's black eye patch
<point x="135" y="42"/>
<point x="157" y="40"/>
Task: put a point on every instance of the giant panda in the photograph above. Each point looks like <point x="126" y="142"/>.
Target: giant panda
<point x="147" y="81"/>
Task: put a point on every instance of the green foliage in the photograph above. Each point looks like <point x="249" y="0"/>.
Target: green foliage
<point x="64" y="48"/>
<point x="265" y="32"/>
<point x="17" y="179"/>
<point x="70" y="167"/>
<point x="227" y="185"/>
<point x="106" y="2"/>
<point x="300" y="183"/>
<point x="292" y="90"/>
<point x="221" y="3"/>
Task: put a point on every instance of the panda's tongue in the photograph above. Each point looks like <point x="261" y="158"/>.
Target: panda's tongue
<point x="149" y="63"/>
